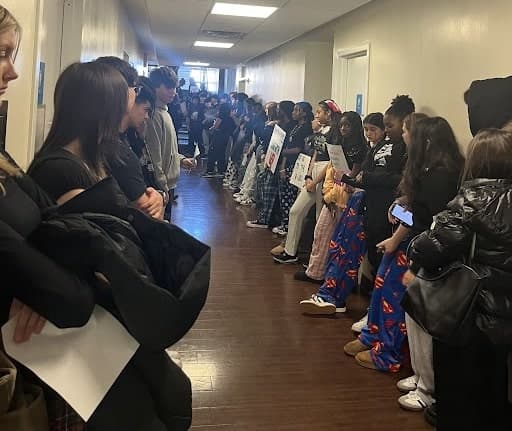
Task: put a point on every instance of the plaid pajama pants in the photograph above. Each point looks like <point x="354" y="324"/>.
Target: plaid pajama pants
<point x="287" y="195"/>
<point x="267" y="189"/>
<point x="61" y="416"/>
<point x="324" y="230"/>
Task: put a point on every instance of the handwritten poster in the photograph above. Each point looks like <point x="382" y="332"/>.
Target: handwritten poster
<point x="274" y="148"/>
<point x="300" y="170"/>
<point x="337" y="157"/>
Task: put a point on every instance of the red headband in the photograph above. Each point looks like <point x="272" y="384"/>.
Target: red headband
<point x="333" y="106"/>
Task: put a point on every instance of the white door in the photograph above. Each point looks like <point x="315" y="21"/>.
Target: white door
<point x="355" y="84"/>
<point x="351" y="79"/>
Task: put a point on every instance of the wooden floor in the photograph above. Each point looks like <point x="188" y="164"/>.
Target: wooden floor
<point x="255" y="362"/>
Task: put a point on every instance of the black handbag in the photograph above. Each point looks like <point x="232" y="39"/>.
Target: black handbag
<point x="444" y="304"/>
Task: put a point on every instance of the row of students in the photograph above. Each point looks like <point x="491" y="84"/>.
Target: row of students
<point x="416" y="162"/>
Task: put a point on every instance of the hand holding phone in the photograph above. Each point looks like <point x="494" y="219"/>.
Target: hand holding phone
<point x="403" y="215"/>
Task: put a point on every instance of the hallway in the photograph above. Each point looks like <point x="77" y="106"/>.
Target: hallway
<point x="254" y="361"/>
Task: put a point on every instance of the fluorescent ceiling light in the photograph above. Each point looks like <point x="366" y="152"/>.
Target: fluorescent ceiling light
<point x="213" y="44"/>
<point x="196" y="63"/>
<point x="243" y="10"/>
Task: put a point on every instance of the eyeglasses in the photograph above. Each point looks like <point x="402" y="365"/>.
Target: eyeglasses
<point x="137" y="89"/>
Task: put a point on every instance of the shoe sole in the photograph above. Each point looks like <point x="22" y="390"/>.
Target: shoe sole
<point x="405" y="390"/>
<point x="284" y="262"/>
<point x="257" y="227"/>
<point x="353" y="354"/>
<point x="411" y="408"/>
<point x="365" y="364"/>
<point x="316" y="310"/>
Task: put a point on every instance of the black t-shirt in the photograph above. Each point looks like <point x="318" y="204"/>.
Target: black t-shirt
<point x="60" y="172"/>
<point x="126" y="169"/>
<point x="297" y="139"/>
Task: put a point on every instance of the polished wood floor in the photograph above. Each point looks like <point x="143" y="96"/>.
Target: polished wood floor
<point x="255" y="362"/>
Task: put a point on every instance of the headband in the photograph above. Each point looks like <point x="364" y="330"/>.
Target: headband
<point x="333" y="106"/>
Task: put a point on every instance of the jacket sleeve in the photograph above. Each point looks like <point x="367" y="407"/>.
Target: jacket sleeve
<point x="446" y="241"/>
<point x="328" y="182"/>
<point x="154" y="141"/>
<point x="29" y="186"/>
<point x="37" y="281"/>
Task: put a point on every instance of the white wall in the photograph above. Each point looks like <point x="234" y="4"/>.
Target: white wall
<point x="430" y="50"/>
<point x="299" y="70"/>
<point x="107" y="30"/>
<point x="22" y="93"/>
<point x="278" y="75"/>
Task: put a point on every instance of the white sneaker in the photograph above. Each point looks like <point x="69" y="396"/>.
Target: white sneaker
<point x="255" y="224"/>
<point x="415" y="401"/>
<point x="408" y="384"/>
<point x="360" y="324"/>
<point x="175" y="357"/>
<point x="318" y="306"/>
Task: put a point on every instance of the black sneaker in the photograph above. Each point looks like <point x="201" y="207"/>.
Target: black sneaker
<point x="302" y="276"/>
<point x="431" y="415"/>
<point x="285" y="258"/>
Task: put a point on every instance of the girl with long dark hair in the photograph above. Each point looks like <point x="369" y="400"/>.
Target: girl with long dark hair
<point x="472" y="382"/>
<point x="336" y="195"/>
<point x="430" y="181"/>
<point x="90" y="103"/>
<point x="328" y="114"/>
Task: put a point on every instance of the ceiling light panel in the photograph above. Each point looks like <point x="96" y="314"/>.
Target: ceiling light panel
<point x="213" y="44"/>
<point x="196" y="63"/>
<point x="245" y="10"/>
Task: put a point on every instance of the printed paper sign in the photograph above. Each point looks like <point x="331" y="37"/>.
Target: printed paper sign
<point x="300" y="170"/>
<point x="81" y="364"/>
<point x="337" y="156"/>
<point x="274" y="148"/>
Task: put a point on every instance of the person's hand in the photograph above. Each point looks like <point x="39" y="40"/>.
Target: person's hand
<point x="391" y="218"/>
<point x="154" y="206"/>
<point x="282" y="174"/>
<point x="189" y="163"/>
<point x="28" y="322"/>
<point x="389" y="245"/>
<point x="408" y="278"/>
<point x="310" y="186"/>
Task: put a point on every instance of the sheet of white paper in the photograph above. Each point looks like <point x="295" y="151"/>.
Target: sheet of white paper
<point x="197" y="152"/>
<point x="81" y="364"/>
<point x="300" y="170"/>
<point x="337" y="157"/>
<point x="274" y="148"/>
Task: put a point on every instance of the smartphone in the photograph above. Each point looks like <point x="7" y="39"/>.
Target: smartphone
<point x="402" y="214"/>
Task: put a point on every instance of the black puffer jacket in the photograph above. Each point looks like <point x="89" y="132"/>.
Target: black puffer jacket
<point x="484" y="207"/>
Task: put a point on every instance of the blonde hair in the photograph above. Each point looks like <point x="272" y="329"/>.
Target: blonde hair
<point x="7" y="23"/>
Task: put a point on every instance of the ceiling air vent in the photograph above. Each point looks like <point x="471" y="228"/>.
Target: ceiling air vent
<point x="223" y="35"/>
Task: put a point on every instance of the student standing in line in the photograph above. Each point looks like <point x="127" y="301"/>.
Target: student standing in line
<point x="126" y="168"/>
<point x="221" y="134"/>
<point x="328" y="114"/>
<point x="161" y="137"/>
<point x="430" y="181"/>
<point x="294" y="145"/>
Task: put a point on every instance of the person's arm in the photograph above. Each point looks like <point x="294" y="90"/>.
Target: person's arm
<point x="447" y="241"/>
<point x="311" y="184"/>
<point x="154" y="138"/>
<point x="40" y="283"/>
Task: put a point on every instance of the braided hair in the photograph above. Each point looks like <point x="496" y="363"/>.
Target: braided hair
<point x="401" y="107"/>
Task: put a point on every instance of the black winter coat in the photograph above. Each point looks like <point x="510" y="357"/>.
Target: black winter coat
<point x="484" y="207"/>
<point x="158" y="281"/>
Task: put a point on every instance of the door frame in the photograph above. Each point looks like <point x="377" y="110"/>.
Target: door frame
<point x="339" y="87"/>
